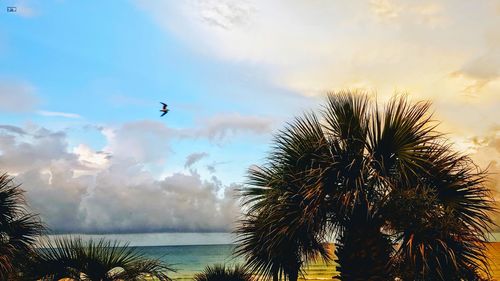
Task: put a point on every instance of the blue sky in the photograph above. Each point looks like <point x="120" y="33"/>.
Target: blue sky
<point x="81" y="82"/>
<point x="112" y="64"/>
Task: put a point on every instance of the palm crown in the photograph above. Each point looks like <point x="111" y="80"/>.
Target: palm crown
<point x="19" y="228"/>
<point x="382" y="180"/>
<point x="101" y="260"/>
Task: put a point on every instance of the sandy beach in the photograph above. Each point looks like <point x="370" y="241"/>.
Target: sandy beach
<point x="494" y="263"/>
<point x="321" y="271"/>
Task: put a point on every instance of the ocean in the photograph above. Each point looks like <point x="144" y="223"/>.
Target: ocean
<point x="191" y="259"/>
<point x="189" y="253"/>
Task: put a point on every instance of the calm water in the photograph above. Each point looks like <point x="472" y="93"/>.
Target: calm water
<point x="191" y="259"/>
<point x="189" y="253"/>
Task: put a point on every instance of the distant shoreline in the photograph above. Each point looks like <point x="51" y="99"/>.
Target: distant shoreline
<point x="178" y="238"/>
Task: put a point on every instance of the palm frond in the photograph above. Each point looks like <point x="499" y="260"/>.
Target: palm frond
<point x="19" y="228"/>
<point x="399" y="137"/>
<point x="72" y="257"/>
<point x="220" y="272"/>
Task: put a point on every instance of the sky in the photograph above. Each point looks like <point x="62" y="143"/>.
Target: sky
<point x="81" y="82"/>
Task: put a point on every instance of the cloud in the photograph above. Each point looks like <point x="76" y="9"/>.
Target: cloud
<point x="146" y="139"/>
<point x="211" y="168"/>
<point x="314" y="46"/>
<point x="384" y="9"/>
<point x="181" y="202"/>
<point x="485" y="151"/>
<point x="383" y="46"/>
<point x="23" y="150"/>
<point x="222" y="126"/>
<point x="135" y="138"/>
<point x="481" y="70"/>
<point x="113" y="190"/>
<point x="13" y="129"/>
<point x="59" y="114"/>
<point x="140" y="141"/>
<point x="224" y="14"/>
<point x="193" y="158"/>
<point x="17" y="96"/>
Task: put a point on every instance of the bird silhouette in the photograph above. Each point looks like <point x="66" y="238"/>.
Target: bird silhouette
<point x="164" y="109"/>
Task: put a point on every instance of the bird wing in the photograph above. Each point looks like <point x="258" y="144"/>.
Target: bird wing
<point x="164" y="113"/>
<point x="164" y="105"/>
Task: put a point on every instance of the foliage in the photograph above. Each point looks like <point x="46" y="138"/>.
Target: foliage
<point x="18" y="228"/>
<point x="220" y="272"/>
<point x="92" y="260"/>
<point x="382" y="179"/>
<point x="283" y="227"/>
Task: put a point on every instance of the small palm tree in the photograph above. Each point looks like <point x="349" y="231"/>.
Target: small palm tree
<point x="18" y="228"/>
<point x="220" y="272"/>
<point x="91" y="260"/>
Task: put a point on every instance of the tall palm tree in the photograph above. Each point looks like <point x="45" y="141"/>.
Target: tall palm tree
<point x="19" y="228"/>
<point x="384" y="181"/>
<point x="91" y="260"/>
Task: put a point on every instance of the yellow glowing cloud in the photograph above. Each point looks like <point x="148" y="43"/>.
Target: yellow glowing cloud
<point x="446" y="51"/>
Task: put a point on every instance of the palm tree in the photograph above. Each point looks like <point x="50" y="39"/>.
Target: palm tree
<point x="220" y="272"/>
<point x="18" y="228"/>
<point x="283" y="228"/>
<point x="91" y="260"/>
<point x="391" y="188"/>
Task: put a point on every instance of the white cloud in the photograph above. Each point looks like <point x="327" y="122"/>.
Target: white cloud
<point x="224" y="14"/>
<point x="140" y="141"/>
<point x="90" y="159"/>
<point x="83" y="190"/>
<point x="36" y="149"/>
<point x="484" y="68"/>
<point x="384" y="9"/>
<point x="220" y="127"/>
<point x="58" y="114"/>
<point x="179" y="202"/>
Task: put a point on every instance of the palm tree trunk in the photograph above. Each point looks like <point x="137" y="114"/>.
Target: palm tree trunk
<point x="293" y="275"/>
<point x="363" y="252"/>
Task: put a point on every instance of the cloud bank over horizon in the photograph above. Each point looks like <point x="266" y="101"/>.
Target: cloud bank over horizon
<point x="114" y="190"/>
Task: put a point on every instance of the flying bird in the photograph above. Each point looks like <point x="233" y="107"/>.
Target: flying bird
<point x="164" y="109"/>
